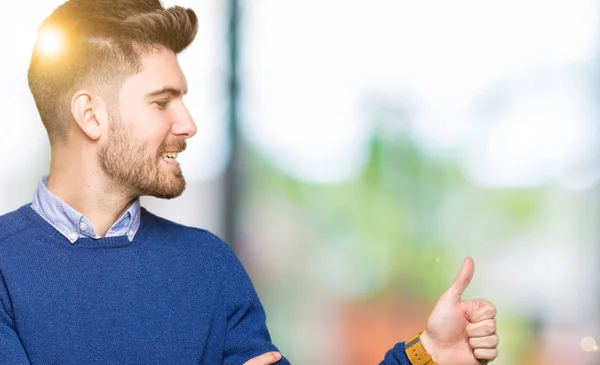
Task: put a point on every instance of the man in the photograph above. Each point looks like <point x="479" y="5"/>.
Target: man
<point x="87" y="275"/>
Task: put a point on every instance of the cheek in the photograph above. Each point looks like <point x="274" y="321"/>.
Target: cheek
<point x="158" y="129"/>
<point x="151" y="139"/>
<point x="150" y="127"/>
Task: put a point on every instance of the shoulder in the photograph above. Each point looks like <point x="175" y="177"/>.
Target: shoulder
<point x="201" y="246"/>
<point x="189" y="238"/>
<point x="14" y="222"/>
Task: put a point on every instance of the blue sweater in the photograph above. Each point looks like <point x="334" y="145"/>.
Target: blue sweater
<point x="174" y="295"/>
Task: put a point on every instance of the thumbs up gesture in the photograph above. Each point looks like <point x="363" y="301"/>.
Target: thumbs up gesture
<point x="461" y="332"/>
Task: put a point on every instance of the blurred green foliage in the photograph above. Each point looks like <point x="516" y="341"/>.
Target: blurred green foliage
<point x="403" y="217"/>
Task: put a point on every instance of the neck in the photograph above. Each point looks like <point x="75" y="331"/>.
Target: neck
<point x="83" y="186"/>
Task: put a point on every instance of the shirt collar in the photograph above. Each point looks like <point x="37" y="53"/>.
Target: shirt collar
<point x="72" y="224"/>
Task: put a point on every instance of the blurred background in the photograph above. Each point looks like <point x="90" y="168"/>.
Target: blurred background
<point x="353" y="153"/>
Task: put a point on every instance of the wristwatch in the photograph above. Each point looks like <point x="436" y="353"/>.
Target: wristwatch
<point x="416" y="353"/>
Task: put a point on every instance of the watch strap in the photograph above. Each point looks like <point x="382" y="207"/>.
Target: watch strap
<point x="416" y="352"/>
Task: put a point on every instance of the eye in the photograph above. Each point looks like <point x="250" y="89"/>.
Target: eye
<point x="162" y="104"/>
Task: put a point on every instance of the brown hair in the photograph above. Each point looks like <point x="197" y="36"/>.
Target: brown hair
<point x="102" y="45"/>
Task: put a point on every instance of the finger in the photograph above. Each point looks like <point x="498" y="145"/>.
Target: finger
<point x="481" y="310"/>
<point x="485" y="354"/>
<point x="265" y="359"/>
<point x="488" y="342"/>
<point x="463" y="279"/>
<point x="481" y="329"/>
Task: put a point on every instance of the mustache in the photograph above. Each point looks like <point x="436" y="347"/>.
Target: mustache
<point x="177" y="145"/>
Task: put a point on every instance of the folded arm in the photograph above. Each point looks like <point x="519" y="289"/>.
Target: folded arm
<point x="11" y="349"/>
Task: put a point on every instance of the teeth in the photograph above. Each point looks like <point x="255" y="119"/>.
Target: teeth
<point x="169" y="155"/>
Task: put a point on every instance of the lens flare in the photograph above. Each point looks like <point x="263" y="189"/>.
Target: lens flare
<point x="588" y="344"/>
<point x="51" y="41"/>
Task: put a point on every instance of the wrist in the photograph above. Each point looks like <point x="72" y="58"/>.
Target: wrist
<point x="415" y="351"/>
<point x="429" y="347"/>
<point x="440" y="353"/>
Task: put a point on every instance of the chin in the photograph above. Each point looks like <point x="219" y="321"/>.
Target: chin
<point x="174" y="189"/>
<point x="169" y="188"/>
<point x="169" y="194"/>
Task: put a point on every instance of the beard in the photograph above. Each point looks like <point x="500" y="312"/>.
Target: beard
<point x="127" y="162"/>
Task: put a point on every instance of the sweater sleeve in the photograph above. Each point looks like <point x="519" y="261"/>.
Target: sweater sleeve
<point x="396" y="356"/>
<point x="247" y="334"/>
<point x="11" y="349"/>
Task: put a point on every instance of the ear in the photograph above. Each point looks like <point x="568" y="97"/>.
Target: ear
<point x="85" y="114"/>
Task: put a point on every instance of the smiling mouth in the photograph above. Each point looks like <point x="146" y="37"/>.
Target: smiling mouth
<point x="169" y="156"/>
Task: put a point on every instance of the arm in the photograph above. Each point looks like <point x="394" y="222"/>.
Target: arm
<point x="11" y="349"/>
<point x="396" y="356"/>
<point x="247" y="334"/>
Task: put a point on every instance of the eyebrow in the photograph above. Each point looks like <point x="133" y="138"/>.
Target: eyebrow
<point x="167" y="90"/>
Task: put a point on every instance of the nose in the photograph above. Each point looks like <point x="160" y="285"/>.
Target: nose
<point x="184" y="124"/>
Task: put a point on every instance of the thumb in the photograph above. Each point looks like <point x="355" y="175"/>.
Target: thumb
<point x="462" y="280"/>
<point x="264" y="359"/>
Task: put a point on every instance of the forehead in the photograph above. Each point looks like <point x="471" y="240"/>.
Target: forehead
<point x="160" y="69"/>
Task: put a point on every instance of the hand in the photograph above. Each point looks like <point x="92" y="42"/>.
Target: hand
<point x="265" y="359"/>
<point x="461" y="332"/>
